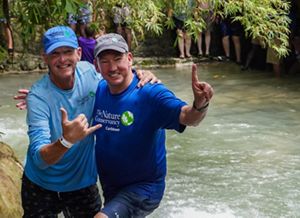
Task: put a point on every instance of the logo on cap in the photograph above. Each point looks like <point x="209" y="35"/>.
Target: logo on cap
<point x="114" y="39"/>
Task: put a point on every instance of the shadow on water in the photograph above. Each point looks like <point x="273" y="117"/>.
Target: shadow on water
<point x="242" y="161"/>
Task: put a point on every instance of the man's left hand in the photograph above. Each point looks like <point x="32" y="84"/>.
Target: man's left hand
<point x="146" y="76"/>
<point x="203" y="92"/>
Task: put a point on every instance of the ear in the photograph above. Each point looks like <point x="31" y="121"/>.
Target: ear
<point x="79" y="53"/>
<point x="130" y="58"/>
<point x="96" y="65"/>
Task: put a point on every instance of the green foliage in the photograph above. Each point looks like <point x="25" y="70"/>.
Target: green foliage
<point x="3" y="54"/>
<point x="264" y="18"/>
<point x="35" y="16"/>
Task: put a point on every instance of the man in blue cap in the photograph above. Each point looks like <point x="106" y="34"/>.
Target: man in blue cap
<point x="60" y="173"/>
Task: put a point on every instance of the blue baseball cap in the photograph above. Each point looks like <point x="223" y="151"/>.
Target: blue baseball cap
<point x="59" y="36"/>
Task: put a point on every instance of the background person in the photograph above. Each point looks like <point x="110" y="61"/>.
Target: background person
<point x="231" y="29"/>
<point x="207" y="15"/>
<point x="184" y="40"/>
<point x="87" y="44"/>
<point x="82" y="18"/>
<point x="6" y="28"/>
<point x="121" y="21"/>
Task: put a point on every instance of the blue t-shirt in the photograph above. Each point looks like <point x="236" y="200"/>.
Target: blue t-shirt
<point x="76" y="169"/>
<point x="130" y="146"/>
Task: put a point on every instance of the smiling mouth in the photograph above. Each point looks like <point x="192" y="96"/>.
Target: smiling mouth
<point x="64" y="66"/>
<point x="113" y="74"/>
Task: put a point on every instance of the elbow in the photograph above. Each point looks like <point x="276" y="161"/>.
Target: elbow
<point x="195" y="123"/>
<point x="192" y="121"/>
<point x="39" y="161"/>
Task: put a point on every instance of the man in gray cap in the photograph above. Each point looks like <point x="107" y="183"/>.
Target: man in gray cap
<point x="130" y="146"/>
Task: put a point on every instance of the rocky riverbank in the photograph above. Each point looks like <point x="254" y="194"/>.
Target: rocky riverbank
<point x="10" y="183"/>
<point x="32" y="63"/>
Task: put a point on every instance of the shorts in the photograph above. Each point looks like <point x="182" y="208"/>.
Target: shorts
<point x="272" y="56"/>
<point x="207" y="17"/>
<point x="179" y="24"/>
<point x="231" y="29"/>
<point x="83" y="17"/>
<point x="129" y="204"/>
<point x="71" y="19"/>
<point x="123" y="25"/>
<point x="40" y="202"/>
<point x="258" y="41"/>
<point x="3" y="20"/>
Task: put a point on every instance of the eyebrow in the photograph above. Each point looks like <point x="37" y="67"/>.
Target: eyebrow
<point x="63" y="51"/>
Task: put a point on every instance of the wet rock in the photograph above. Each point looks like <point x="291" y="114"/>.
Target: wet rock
<point x="29" y="64"/>
<point x="10" y="183"/>
<point x="42" y="66"/>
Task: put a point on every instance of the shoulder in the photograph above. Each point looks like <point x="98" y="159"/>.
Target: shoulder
<point x="40" y="85"/>
<point x="85" y="66"/>
<point x="155" y="91"/>
<point x="102" y="85"/>
<point x="86" y="69"/>
<point x="81" y="39"/>
<point x="40" y="92"/>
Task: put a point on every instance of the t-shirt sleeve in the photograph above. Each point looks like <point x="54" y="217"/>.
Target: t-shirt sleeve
<point x="38" y="128"/>
<point x="167" y="108"/>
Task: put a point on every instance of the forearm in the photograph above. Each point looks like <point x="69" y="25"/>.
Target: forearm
<point x="189" y="116"/>
<point x="53" y="152"/>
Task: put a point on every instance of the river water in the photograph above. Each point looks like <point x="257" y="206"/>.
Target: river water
<point x="243" y="160"/>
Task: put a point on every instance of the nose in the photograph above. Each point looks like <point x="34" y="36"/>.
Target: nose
<point x="62" y="57"/>
<point x="112" y="66"/>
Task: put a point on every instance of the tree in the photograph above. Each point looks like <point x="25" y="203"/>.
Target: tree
<point x="265" y="18"/>
<point x="35" y="16"/>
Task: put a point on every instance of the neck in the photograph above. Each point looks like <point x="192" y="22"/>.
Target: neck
<point x="65" y="83"/>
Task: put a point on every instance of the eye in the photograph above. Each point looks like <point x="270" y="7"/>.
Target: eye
<point x="54" y="54"/>
<point x="103" y="61"/>
<point x="118" y="58"/>
<point x="69" y="52"/>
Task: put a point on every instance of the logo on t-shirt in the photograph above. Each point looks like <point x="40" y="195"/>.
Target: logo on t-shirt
<point x="92" y="94"/>
<point x="127" y="118"/>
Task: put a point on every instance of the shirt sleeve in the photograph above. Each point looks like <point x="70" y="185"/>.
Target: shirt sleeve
<point x="167" y="108"/>
<point x="38" y="128"/>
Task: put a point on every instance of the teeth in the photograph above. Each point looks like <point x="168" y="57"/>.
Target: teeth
<point x="113" y="74"/>
<point x="63" y="66"/>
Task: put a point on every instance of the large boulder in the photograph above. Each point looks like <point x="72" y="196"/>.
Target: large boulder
<point x="10" y="183"/>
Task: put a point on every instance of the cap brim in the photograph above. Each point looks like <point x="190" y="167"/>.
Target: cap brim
<point x="111" y="47"/>
<point x="60" y="44"/>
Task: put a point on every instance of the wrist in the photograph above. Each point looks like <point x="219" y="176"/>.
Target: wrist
<point x="65" y="142"/>
<point x="201" y="109"/>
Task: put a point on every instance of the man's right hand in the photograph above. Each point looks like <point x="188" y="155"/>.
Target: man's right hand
<point x="77" y="129"/>
<point x="22" y="105"/>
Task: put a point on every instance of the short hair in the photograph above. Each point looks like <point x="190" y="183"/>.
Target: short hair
<point x="89" y="31"/>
